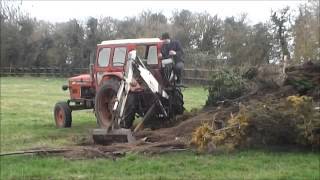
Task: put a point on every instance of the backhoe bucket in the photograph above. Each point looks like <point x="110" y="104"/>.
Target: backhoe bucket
<point x="103" y="137"/>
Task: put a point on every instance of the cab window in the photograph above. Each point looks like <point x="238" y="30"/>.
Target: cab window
<point x="119" y="56"/>
<point x="104" y="56"/>
<point x="152" y="55"/>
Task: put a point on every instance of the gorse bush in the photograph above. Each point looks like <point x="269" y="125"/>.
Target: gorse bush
<point x="270" y="122"/>
<point x="202" y="136"/>
<point x="225" y="84"/>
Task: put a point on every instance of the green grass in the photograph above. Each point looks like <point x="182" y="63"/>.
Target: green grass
<point x="242" y="165"/>
<point x="194" y="97"/>
<point x="27" y="114"/>
<point x="27" y="122"/>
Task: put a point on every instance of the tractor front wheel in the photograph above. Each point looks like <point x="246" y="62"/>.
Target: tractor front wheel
<point x="62" y="115"/>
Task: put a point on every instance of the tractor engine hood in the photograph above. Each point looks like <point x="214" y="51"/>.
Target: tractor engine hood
<point x="81" y="78"/>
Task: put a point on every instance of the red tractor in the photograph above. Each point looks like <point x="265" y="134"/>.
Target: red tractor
<point x="128" y="79"/>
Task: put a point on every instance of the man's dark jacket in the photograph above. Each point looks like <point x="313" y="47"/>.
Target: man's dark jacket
<point x="173" y="45"/>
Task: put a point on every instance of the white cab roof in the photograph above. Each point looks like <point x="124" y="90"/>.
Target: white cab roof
<point x="131" y="41"/>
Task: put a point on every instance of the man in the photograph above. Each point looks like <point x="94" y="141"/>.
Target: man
<point x="172" y="48"/>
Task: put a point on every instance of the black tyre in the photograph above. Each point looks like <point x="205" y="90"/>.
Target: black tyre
<point x="176" y="107"/>
<point x="104" y="101"/>
<point x="62" y="115"/>
<point x="178" y="103"/>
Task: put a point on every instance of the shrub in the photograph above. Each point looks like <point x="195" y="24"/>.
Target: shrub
<point x="225" y="84"/>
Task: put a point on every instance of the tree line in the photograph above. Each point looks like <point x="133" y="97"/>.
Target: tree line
<point x="207" y="39"/>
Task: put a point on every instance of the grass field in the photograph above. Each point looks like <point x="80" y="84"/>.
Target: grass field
<point x="27" y="122"/>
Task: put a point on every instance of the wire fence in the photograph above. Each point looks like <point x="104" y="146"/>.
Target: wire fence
<point x="191" y="76"/>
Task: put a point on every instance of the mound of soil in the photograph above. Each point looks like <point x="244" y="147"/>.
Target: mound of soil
<point x="305" y="79"/>
<point x="172" y="139"/>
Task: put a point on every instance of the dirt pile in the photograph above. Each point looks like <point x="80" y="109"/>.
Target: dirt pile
<point x="271" y="122"/>
<point x="163" y="140"/>
<point x="305" y="79"/>
<point x="288" y="115"/>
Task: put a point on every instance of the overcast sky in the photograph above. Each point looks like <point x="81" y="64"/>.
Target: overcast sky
<point x="60" y="11"/>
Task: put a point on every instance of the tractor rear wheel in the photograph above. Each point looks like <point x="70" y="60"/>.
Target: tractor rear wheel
<point x="176" y="107"/>
<point x="104" y="101"/>
<point x="62" y="115"/>
<point x="178" y="102"/>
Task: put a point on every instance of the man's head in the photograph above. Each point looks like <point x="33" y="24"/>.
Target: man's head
<point x="165" y="37"/>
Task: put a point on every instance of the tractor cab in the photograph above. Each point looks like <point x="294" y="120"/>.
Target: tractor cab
<point x="112" y="57"/>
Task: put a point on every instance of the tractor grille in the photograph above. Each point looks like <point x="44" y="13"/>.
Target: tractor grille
<point x="86" y="93"/>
